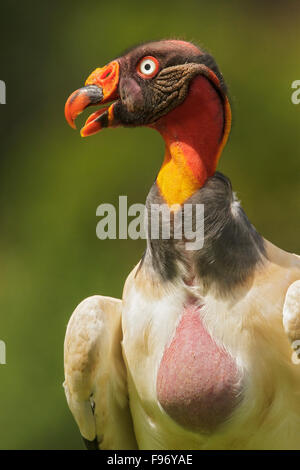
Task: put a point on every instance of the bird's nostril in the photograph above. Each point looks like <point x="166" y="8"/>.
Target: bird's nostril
<point x="107" y="74"/>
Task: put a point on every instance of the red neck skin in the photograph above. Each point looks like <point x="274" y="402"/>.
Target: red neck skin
<point x="193" y="133"/>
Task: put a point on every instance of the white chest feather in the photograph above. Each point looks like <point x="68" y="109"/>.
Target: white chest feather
<point x="244" y="338"/>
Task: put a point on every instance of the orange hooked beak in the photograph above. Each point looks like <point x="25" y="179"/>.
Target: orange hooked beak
<point x="101" y="87"/>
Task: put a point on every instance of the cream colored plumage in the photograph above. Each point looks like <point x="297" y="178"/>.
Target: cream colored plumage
<point x="257" y="325"/>
<point x="95" y="373"/>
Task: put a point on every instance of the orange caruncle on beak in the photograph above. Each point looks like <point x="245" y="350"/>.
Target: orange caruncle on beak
<point x="101" y="87"/>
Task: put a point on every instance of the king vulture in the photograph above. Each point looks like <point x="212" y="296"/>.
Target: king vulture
<point x="199" y="353"/>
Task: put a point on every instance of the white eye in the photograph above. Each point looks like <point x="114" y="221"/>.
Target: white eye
<point x="148" y="67"/>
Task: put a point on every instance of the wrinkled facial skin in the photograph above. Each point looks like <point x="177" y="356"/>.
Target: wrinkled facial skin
<point x="144" y="100"/>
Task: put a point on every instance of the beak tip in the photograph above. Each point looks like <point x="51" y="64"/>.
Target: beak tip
<point x="69" y="118"/>
<point x="71" y="124"/>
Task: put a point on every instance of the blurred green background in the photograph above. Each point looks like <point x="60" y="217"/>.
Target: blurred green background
<point x="52" y="180"/>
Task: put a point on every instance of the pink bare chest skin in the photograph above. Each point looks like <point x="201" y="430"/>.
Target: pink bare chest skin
<point x="197" y="382"/>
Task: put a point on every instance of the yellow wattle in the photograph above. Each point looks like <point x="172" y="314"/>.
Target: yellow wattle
<point x="176" y="180"/>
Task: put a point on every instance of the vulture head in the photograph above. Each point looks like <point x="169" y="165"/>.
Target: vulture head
<point x="171" y="86"/>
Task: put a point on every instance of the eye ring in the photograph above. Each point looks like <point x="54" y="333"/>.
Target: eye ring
<point x="148" y="67"/>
